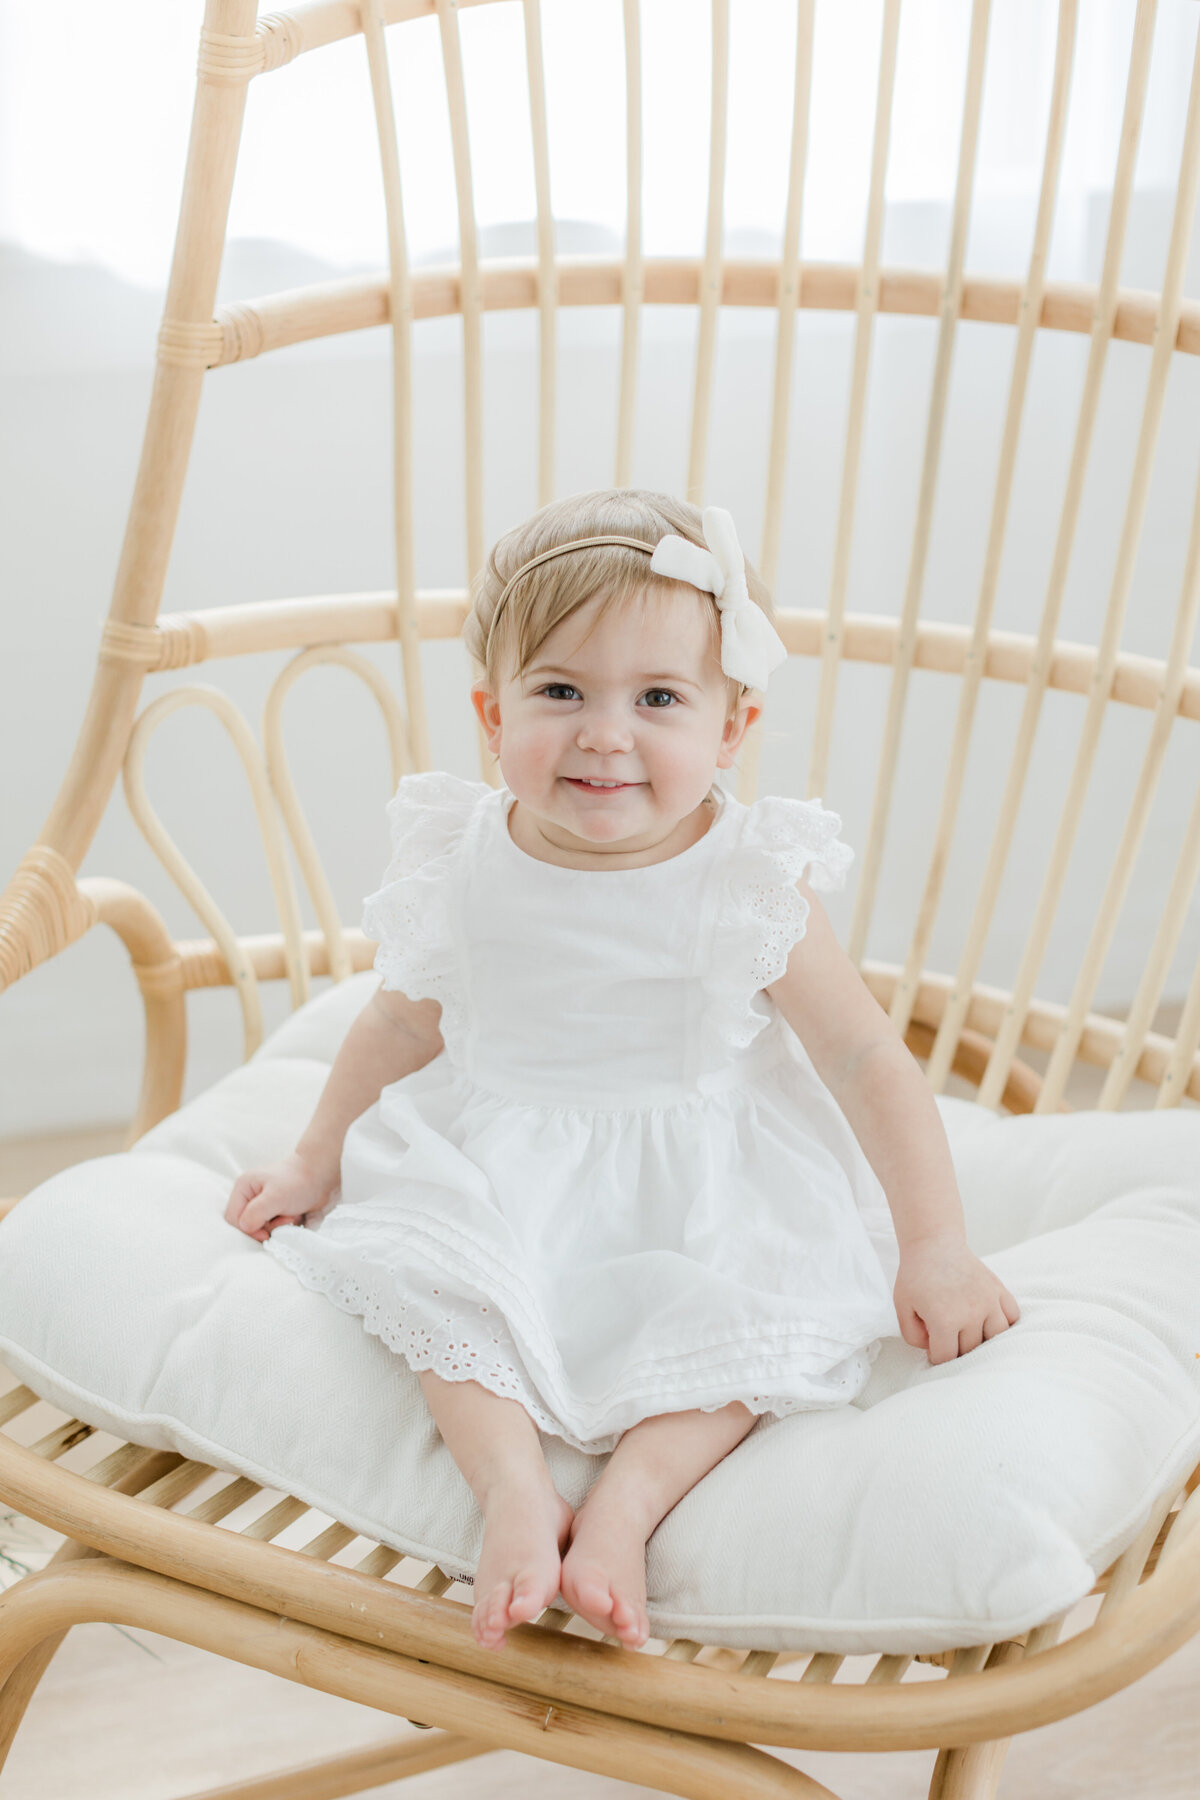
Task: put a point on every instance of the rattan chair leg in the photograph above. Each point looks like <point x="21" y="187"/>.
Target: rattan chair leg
<point x="972" y="1772"/>
<point x="131" y="1477"/>
<point x="22" y="1684"/>
<point x="674" y="1762"/>
<point x="333" y="1777"/>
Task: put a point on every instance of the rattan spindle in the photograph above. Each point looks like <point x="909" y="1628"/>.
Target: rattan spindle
<point x="968" y="694"/>
<point x="789" y="297"/>
<point x="866" y="308"/>
<point x="1178" y="1075"/>
<point x="547" y="273"/>
<point x="1124" y="1065"/>
<point x="939" y="393"/>
<point x="1124" y="860"/>
<point x="400" y="309"/>
<point x="942" y="1055"/>
<point x="1009" y="1036"/>
<point x="471" y="294"/>
<point x="711" y="275"/>
<point x="631" y="270"/>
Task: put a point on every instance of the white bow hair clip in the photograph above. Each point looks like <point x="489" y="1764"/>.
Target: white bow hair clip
<point x="750" y="645"/>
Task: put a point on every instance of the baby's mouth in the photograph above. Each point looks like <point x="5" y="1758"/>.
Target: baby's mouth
<point x="596" y="787"/>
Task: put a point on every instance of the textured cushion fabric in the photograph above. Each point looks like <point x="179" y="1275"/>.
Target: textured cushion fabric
<point x="946" y="1506"/>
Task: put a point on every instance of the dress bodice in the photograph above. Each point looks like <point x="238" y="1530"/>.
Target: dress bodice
<point x="622" y="1188"/>
<point x="626" y="988"/>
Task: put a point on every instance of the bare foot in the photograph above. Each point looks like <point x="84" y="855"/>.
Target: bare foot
<point x="525" y="1529"/>
<point x="604" y="1571"/>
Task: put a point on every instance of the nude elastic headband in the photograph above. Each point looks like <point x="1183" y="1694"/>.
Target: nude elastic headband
<point x="750" y="645"/>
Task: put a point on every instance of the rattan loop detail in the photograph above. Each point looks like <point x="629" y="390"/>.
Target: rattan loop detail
<point x="41" y="912"/>
<point x="138" y="644"/>
<point x="185" y="344"/>
<point x="174" y="643"/>
<point x="203" y="965"/>
<point x="161" y="980"/>
<point x="281" y="40"/>
<point x="229" y="60"/>
<point x="241" y="332"/>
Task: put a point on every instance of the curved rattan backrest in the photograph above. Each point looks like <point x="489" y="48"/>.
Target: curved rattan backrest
<point x="972" y="756"/>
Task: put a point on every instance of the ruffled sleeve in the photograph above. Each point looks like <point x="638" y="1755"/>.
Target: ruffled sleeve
<point x="761" y="914"/>
<point x="409" y="914"/>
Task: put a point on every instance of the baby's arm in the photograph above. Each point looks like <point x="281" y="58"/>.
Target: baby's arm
<point x="947" y="1301"/>
<point x="391" y="1037"/>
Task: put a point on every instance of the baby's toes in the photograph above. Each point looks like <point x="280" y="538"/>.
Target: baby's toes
<point x="528" y="1598"/>
<point x="629" y="1622"/>
<point x="490" y="1616"/>
<point x="591" y="1597"/>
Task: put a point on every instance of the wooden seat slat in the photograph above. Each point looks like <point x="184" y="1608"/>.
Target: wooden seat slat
<point x="218" y="1506"/>
<point x="119" y="1463"/>
<point x="759" y="1662"/>
<point x="56" y="1443"/>
<point x="15" y="1402"/>
<point x="379" y="1561"/>
<point x="823" y="1667"/>
<point x="177" y="1484"/>
<point x="327" y="1543"/>
<point x="887" y="1670"/>
<point x="436" y="1581"/>
<point x="277" y="1519"/>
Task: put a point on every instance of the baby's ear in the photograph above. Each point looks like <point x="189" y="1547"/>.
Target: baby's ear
<point x="487" y="710"/>
<point x="736" y="728"/>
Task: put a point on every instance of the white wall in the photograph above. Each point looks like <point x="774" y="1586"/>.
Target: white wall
<point x="288" y="494"/>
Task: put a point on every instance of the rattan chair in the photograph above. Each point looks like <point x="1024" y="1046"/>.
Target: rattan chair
<point x="380" y="1632"/>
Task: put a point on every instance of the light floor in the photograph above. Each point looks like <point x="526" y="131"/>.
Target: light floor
<point x="126" y="1715"/>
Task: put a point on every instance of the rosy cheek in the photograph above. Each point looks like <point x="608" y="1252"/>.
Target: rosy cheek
<point x="541" y="750"/>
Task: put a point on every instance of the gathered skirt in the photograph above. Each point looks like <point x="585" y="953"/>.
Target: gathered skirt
<point x="603" y="1266"/>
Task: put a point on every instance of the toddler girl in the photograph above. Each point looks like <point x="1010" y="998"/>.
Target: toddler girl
<point x="618" y="1134"/>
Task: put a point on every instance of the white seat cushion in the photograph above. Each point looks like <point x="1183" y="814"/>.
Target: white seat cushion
<point x="947" y="1506"/>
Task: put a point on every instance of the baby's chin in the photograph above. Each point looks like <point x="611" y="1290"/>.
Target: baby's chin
<point x="630" y="818"/>
<point x="606" y="815"/>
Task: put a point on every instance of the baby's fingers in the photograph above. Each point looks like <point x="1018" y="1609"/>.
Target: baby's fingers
<point x="912" y="1328"/>
<point x="245" y="1189"/>
<point x="943" y="1342"/>
<point x="996" y="1322"/>
<point x="262" y="1215"/>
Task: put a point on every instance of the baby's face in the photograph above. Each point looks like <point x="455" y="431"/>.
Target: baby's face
<point x="635" y="697"/>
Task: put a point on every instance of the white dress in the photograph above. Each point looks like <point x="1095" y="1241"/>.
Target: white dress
<point x="621" y="1188"/>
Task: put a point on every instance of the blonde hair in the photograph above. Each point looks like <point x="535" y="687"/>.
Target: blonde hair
<point x="551" y="592"/>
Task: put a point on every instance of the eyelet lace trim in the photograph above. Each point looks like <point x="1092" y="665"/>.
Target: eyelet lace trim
<point x="409" y="914"/>
<point x="471" y="1341"/>
<point x="762" y="915"/>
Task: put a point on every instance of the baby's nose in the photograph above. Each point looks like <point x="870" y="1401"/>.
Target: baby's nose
<point x="605" y="730"/>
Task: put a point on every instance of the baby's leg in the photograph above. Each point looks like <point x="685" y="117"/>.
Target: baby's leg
<point x="653" y="1466"/>
<point x="525" y="1519"/>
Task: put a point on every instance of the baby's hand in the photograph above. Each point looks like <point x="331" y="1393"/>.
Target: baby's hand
<point x="947" y="1301"/>
<point x="281" y="1195"/>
